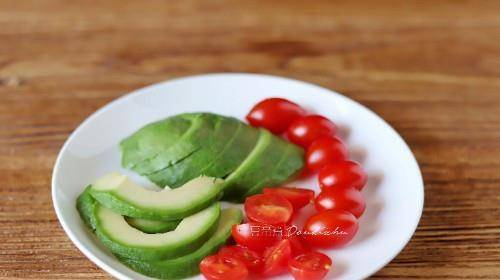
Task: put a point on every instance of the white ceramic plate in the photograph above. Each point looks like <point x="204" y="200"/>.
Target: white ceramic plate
<point x="394" y="193"/>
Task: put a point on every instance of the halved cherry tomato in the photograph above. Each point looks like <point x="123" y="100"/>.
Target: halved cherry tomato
<point x="268" y="208"/>
<point x="330" y="228"/>
<point x="310" y="266"/>
<point x="216" y="268"/>
<point x="324" y="151"/>
<point x="276" y="258"/>
<point x="251" y="259"/>
<point x="298" y="248"/>
<point x="256" y="236"/>
<point x="305" y="130"/>
<point x="349" y="199"/>
<point x="342" y="175"/>
<point x="275" y="114"/>
<point x="298" y="197"/>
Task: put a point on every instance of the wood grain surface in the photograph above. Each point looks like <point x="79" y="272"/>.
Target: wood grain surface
<point x="430" y="68"/>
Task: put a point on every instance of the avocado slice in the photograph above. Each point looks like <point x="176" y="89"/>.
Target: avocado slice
<point x="188" y="265"/>
<point x="260" y="167"/>
<point x="122" y="239"/>
<point x="290" y="163"/>
<point x="202" y="128"/>
<point x="153" y="138"/>
<point x="237" y="149"/>
<point x="177" y="174"/>
<point x="119" y="193"/>
<point x="152" y="226"/>
<point x="85" y="205"/>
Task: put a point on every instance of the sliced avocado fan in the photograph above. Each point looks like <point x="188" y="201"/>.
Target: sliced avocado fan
<point x="215" y="146"/>
<point x="126" y="241"/>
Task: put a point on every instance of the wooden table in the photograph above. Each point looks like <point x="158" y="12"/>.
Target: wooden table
<point x="431" y="69"/>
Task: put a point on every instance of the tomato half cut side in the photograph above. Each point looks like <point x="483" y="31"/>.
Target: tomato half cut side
<point x="298" y="197"/>
<point x="297" y="245"/>
<point x="268" y="208"/>
<point x="275" y="114"/>
<point x="256" y="236"/>
<point x="276" y="258"/>
<point x="216" y="268"/>
<point x="251" y="259"/>
<point x="310" y="266"/>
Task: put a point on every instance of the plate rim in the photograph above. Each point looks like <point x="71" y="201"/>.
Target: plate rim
<point x="109" y="269"/>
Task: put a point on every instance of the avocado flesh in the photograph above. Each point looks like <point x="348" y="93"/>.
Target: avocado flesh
<point x="188" y="265"/>
<point x="122" y="239"/>
<point x="119" y="193"/>
<point x="127" y="242"/>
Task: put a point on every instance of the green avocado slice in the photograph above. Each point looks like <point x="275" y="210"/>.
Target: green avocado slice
<point x="122" y="239"/>
<point x="119" y="193"/>
<point x="237" y="149"/>
<point x="291" y="162"/>
<point x="202" y="128"/>
<point x="254" y="167"/>
<point x="85" y="204"/>
<point x="179" y="173"/>
<point x="153" y="138"/>
<point x="188" y="265"/>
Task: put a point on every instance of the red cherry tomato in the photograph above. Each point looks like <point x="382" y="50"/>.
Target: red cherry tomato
<point x="217" y="268"/>
<point x="310" y="266"/>
<point x="268" y="208"/>
<point x="304" y="130"/>
<point x="256" y="236"/>
<point x="298" y="197"/>
<point x="342" y="175"/>
<point x="330" y="228"/>
<point x="276" y="258"/>
<point x="297" y="245"/>
<point x="349" y="199"/>
<point x="275" y="114"/>
<point x="324" y="151"/>
<point x="250" y="258"/>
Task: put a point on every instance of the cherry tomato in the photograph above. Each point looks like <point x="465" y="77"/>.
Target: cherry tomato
<point x="275" y="114"/>
<point x="216" y="268"/>
<point x="342" y="175"/>
<point x="256" y="236"/>
<point x="330" y="228"/>
<point x="268" y="208"/>
<point x="276" y="258"/>
<point x="298" y="197"/>
<point x="250" y="258"/>
<point x="310" y="266"/>
<point x="297" y="245"/>
<point x="349" y="199"/>
<point x="324" y="151"/>
<point x="304" y="130"/>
